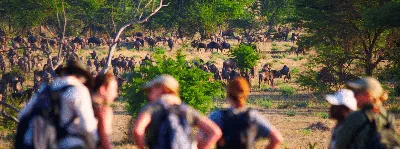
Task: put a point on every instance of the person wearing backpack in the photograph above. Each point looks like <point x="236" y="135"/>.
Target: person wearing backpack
<point x="242" y="126"/>
<point x="342" y="104"/>
<point x="105" y="91"/>
<point x="60" y="115"/>
<point x="372" y="126"/>
<point x="166" y="122"/>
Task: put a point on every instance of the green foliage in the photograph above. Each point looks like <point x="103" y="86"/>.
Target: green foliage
<point x="284" y="105"/>
<point x="195" y="87"/>
<point x="245" y="56"/>
<point x="304" y="104"/>
<point x="287" y="90"/>
<point x="306" y="131"/>
<point x="264" y="102"/>
<point x="294" y="71"/>
<point x="323" y="115"/>
<point x="275" y="49"/>
<point x="286" y="45"/>
<point x="274" y="44"/>
<point x="159" y="51"/>
<point x="290" y="113"/>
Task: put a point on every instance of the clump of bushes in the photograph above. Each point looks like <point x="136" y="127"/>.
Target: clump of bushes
<point x="287" y="90"/>
<point x="291" y="113"/>
<point x="304" y="104"/>
<point x="264" y="102"/>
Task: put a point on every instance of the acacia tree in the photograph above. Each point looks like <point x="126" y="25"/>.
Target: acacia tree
<point x="341" y="36"/>
<point x="143" y="11"/>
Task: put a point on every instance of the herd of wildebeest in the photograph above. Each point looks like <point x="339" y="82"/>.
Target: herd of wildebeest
<point x="18" y="52"/>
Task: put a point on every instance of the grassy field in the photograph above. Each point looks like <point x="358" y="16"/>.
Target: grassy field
<point x="292" y="114"/>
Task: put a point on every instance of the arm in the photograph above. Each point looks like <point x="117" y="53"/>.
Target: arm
<point x="275" y="138"/>
<point x="105" y="114"/>
<point x="211" y="130"/>
<point x="139" y="129"/>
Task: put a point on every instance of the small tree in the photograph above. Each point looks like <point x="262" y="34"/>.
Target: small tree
<point x="245" y="57"/>
<point x="195" y="87"/>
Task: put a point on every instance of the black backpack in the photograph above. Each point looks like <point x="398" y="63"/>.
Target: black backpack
<point x="174" y="129"/>
<point x="239" y="131"/>
<point x="48" y="108"/>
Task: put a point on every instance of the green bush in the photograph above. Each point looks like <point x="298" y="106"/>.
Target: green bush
<point x="301" y="57"/>
<point x="286" y="45"/>
<point x="265" y="87"/>
<point x="275" y="49"/>
<point x="275" y="60"/>
<point x="158" y="50"/>
<point x="274" y="44"/>
<point x="295" y="59"/>
<point x="284" y="105"/>
<point x="264" y="102"/>
<point x="304" y="104"/>
<point x="291" y="113"/>
<point x="323" y="115"/>
<point x="294" y="71"/>
<point x="245" y="56"/>
<point x="287" y="90"/>
<point x="195" y="87"/>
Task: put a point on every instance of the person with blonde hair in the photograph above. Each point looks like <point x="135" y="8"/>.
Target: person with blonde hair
<point x="166" y="121"/>
<point x="372" y="126"/>
<point x="242" y="126"/>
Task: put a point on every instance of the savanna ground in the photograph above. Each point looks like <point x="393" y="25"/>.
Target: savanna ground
<point x="292" y="114"/>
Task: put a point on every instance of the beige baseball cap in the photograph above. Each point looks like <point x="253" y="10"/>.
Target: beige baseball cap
<point x="166" y="80"/>
<point x="367" y="84"/>
<point x="343" y="97"/>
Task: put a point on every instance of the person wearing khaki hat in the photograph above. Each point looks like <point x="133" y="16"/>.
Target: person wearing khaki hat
<point x="342" y="103"/>
<point x="163" y="96"/>
<point x="364" y="128"/>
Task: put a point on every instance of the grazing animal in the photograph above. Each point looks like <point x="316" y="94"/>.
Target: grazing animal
<point x="199" y="45"/>
<point x="225" y="45"/>
<point x="170" y="44"/>
<point x="213" y="45"/>
<point x="285" y="71"/>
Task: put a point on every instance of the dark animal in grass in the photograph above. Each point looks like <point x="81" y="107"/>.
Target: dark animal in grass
<point x="300" y="49"/>
<point x="268" y="77"/>
<point x="225" y="45"/>
<point x="213" y="45"/>
<point x="170" y="44"/>
<point x="199" y="45"/>
<point x="285" y="71"/>
<point x="137" y="44"/>
<point x="151" y="42"/>
<point x="27" y="94"/>
<point x="94" y="41"/>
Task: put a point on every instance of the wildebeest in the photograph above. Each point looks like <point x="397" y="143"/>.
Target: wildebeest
<point x="151" y="42"/>
<point x="300" y="49"/>
<point x="199" y="45"/>
<point x="268" y="77"/>
<point x="225" y="45"/>
<point x="285" y="71"/>
<point x="137" y="44"/>
<point x="213" y="45"/>
<point x="170" y="44"/>
<point x="94" y="40"/>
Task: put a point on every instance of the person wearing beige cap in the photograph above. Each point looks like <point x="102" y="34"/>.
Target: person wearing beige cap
<point x="342" y="103"/>
<point x="151" y="126"/>
<point x="372" y="126"/>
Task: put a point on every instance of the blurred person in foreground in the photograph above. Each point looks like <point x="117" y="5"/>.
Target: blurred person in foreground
<point x="342" y="104"/>
<point x="75" y="116"/>
<point x="165" y="122"/>
<point x="105" y="90"/>
<point x="371" y="127"/>
<point x="242" y="126"/>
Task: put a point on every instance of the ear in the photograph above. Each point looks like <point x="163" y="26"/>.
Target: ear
<point x="103" y="90"/>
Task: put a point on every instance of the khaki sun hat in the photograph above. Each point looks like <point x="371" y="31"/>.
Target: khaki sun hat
<point x="166" y="80"/>
<point x="367" y="84"/>
<point x="343" y="97"/>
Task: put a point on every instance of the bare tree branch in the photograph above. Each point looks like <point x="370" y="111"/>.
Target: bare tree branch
<point x="113" y="45"/>
<point x="9" y="106"/>
<point x="9" y="117"/>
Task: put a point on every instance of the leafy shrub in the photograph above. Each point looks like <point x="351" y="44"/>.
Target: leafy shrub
<point x="275" y="49"/>
<point x="195" y="87"/>
<point x="274" y="44"/>
<point x="158" y="50"/>
<point x="303" y="104"/>
<point x="301" y="57"/>
<point x="286" y="45"/>
<point x="288" y="49"/>
<point x="284" y="105"/>
<point x="265" y="87"/>
<point x="291" y="113"/>
<point x="306" y="131"/>
<point x="295" y="59"/>
<point x="264" y="102"/>
<point x="245" y="56"/>
<point x="275" y="60"/>
<point x="294" y="71"/>
<point x="287" y="90"/>
<point x="322" y="115"/>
